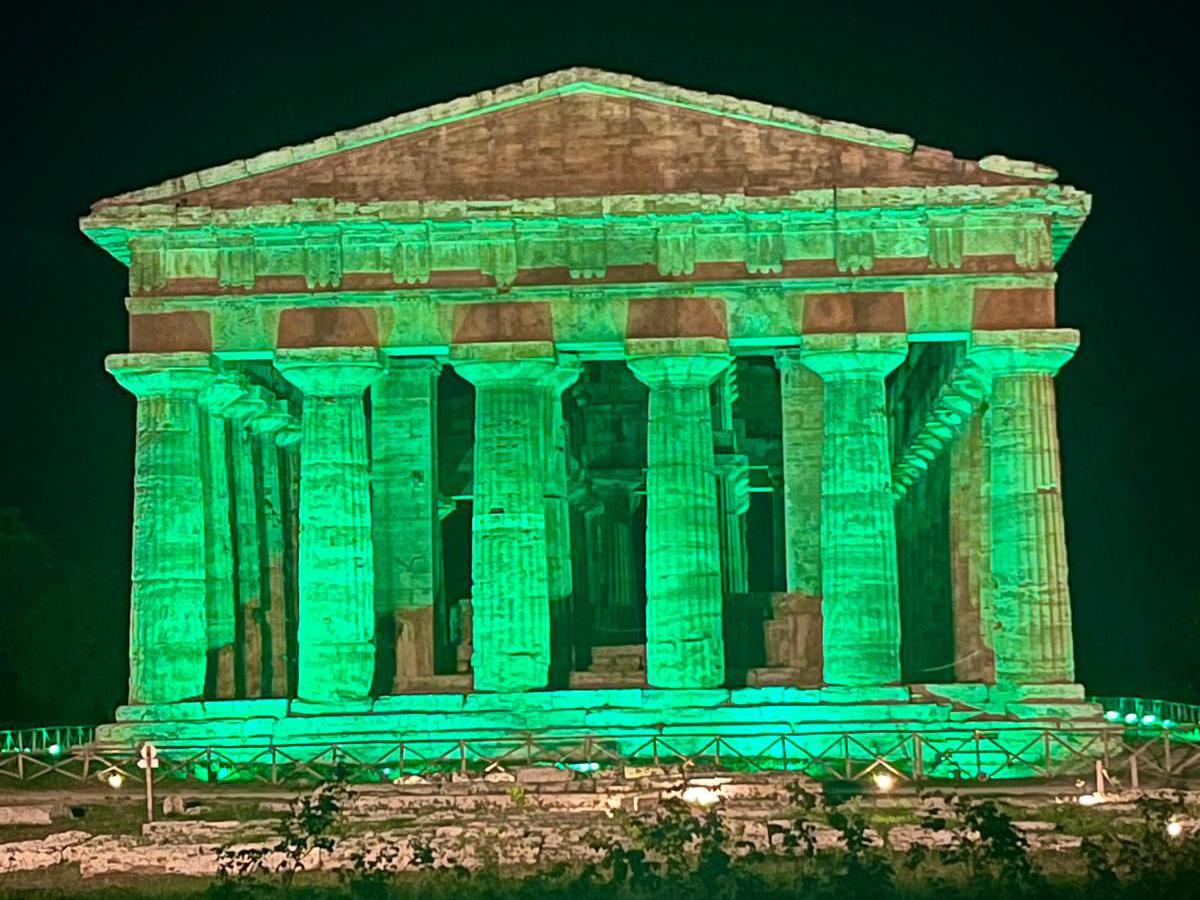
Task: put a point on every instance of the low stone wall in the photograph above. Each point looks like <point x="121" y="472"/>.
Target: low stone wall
<point x="529" y="817"/>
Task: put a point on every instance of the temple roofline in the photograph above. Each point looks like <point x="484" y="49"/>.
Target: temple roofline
<point x="559" y="83"/>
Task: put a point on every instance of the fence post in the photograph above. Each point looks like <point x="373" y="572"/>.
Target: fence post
<point x="1133" y="769"/>
<point x="274" y="764"/>
<point x="918" y="760"/>
<point x="462" y="755"/>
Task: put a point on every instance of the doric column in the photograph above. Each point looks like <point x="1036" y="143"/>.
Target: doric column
<point x="247" y="512"/>
<point x="616" y="588"/>
<point x="167" y="632"/>
<point x="685" y="647"/>
<point x="559" y="575"/>
<point x="803" y="409"/>
<point x="859" y="581"/>
<point x="405" y="520"/>
<point x="1030" y="599"/>
<point x="337" y="579"/>
<point x="273" y="604"/>
<point x="288" y="441"/>
<point x="510" y="599"/>
<point x="970" y="555"/>
<point x="221" y="588"/>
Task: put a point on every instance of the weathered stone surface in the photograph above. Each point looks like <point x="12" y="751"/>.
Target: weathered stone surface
<point x="26" y="814"/>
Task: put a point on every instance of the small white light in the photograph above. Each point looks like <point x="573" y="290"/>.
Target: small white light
<point x="884" y="781"/>
<point x="1089" y="799"/>
<point x="115" y="780"/>
<point x="1112" y="715"/>
<point x="1174" y="829"/>
<point x="1149" y="719"/>
<point x="54" y="749"/>
<point x="1131" y="718"/>
<point x="698" y="795"/>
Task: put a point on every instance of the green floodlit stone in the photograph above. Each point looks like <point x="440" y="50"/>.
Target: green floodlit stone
<point x="167" y="632"/>
<point x="1030" y="597"/>
<point x="510" y="599"/>
<point x="685" y="647"/>
<point x="336" y="620"/>
<point x="860" y="583"/>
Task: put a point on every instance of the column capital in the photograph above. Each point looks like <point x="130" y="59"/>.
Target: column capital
<point x="677" y="362"/>
<point x="1035" y="351"/>
<point x="527" y="362"/>
<point x="225" y="389"/>
<point x="162" y="374"/>
<point x="331" y="371"/>
<point x="246" y="406"/>
<point x="419" y="363"/>
<point x="273" y="418"/>
<point x="853" y="355"/>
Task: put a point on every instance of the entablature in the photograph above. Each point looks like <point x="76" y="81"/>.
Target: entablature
<point x="587" y="239"/>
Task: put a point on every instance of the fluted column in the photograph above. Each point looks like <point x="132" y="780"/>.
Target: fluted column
<point x="685" y="647"/>
<point x="336" y="581"/>
<point x="247" y="532"/>
<point x="1030" y="598"/>
<point x="559" y="574"/>
<point x="859" y="580"/>
<point x="405" y="520"/>
<point x="167" y="632"/>
<point x="803" y="413"/>
<point x="510" y="596"/>
<point x="273" y="605"/>
<point x="221" y="588"/>
<point x="970" y="555"/>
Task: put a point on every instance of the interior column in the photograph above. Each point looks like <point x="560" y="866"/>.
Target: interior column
<point x="405" y="521"/>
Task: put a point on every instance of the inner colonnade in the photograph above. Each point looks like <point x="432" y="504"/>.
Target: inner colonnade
<point x="853" y="509"/>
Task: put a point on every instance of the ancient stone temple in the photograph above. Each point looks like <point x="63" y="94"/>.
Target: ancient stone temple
<point x="592" y="405"/>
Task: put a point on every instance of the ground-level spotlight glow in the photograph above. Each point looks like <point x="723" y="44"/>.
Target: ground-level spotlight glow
<point x="1174" y="829"/>
<point x="115" y="780"/>
<point x="698" y="795"/>
<point x="1149" y="719"/>
<point x="1131" y="718"/>
<point x="584" y="768"/>
<point x="884" y="781"/>
<point x="1168" y="723"/>
<point x="55" y="750"/>
<point x="1112" y="715"/>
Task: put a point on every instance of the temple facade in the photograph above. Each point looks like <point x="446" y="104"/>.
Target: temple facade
<point x="597" y="388"/>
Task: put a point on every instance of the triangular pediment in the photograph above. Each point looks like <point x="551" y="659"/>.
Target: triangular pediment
<point x="582" y="133"/>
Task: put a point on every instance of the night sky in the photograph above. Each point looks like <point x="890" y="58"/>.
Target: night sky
<point x="109" y="99"/>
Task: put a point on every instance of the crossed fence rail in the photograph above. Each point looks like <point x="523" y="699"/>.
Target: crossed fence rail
<point x="915" y="759"/>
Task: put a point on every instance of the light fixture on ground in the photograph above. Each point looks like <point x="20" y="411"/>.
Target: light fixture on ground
<point x="884" y="781"/>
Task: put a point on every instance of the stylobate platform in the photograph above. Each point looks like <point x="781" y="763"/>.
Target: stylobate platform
<point x="763" y="723"/>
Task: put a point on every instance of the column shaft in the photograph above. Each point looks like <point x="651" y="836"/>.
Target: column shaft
<point x="970" y="555"/>
<point x="221" y="606"/>
<point x="336" y="581"/>
<point x="168" y="639"/>
<point x="859" y="579"/>
<point x="405" y="521"/>
<point x="246" y="513"/>
<point x="510" y="598"/>
<point x="273" y="621"/>
<point x="802" y="399"/>
<point x="559" y="574"/>
<point x="1031" y="600"/>
<point x="685" y="647"/>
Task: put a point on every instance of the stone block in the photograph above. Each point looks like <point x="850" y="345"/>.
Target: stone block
<point x="25" y="815"/>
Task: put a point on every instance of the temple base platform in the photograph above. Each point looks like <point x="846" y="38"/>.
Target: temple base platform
<point x="934" y="730"/>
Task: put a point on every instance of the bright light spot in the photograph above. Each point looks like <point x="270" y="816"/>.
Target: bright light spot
<point x="55" y="750"/>
<point x="1131" y="718"/>
<point x="698" y="795"/>
<point x="1112" y="715"/>
<point x="115" y="780"/>
<point x="1149" y="719"/>
<point x="1174" y="829"/>
<point x="387" y="771"/>
<point x="1089" y="799"/>
<point x="1168" y="723"/>
<point x="584" y="767"/>
<point x="884" y="781"/>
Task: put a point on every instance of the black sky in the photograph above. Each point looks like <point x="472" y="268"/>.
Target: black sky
<point x="108" y="98"/>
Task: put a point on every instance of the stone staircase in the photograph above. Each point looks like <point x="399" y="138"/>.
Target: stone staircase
<point x="618" y="666"/>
